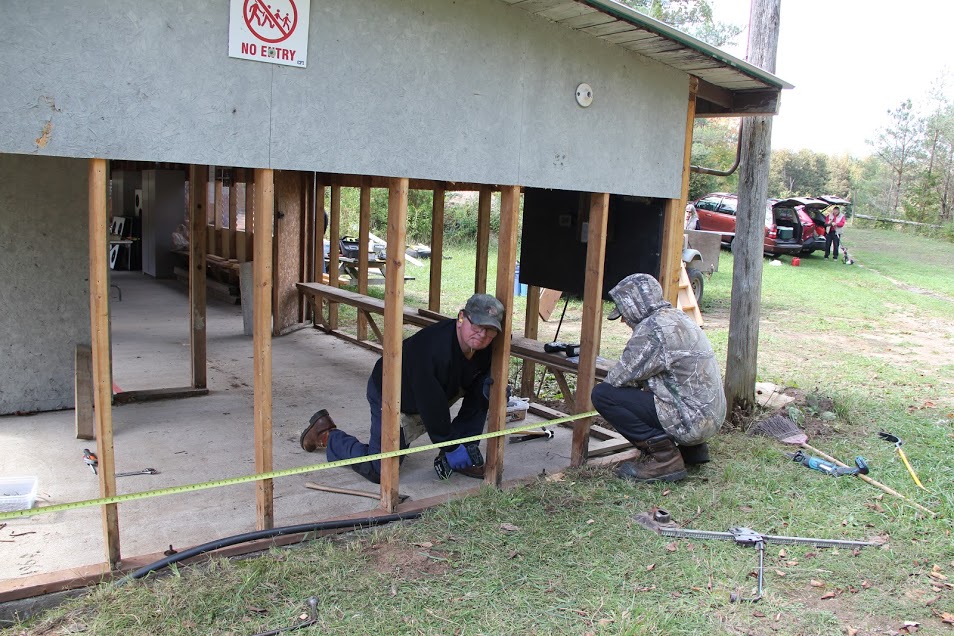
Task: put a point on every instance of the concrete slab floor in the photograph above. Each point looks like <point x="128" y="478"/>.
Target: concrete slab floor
<point x="206" y="438"/>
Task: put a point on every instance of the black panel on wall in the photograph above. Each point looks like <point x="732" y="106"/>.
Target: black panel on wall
<point x="553" y="243"/>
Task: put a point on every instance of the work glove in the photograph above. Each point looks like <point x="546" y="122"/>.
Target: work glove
<point x="459" y="458"/>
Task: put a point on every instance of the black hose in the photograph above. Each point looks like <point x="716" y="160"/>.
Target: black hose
<point x="336" y="524"/>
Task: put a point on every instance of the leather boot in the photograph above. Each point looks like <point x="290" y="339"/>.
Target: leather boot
<point x="315" y="436"/>
<point x="660" y="460"/>
<point x="695" y="455"/>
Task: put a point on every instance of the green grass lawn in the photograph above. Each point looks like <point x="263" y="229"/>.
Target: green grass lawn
<point x="564" y="556"/>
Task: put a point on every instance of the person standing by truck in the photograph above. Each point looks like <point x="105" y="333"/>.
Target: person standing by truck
<point x="834" y="226"/>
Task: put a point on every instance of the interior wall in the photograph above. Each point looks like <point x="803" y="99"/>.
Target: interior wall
<point x="473" y="91"/>
<point x="44" y="294"/>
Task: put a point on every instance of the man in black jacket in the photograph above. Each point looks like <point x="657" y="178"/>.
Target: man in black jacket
<point x="441" y="364"/>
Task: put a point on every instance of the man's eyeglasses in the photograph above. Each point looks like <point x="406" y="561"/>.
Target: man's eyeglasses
<point x="480" y="329"/>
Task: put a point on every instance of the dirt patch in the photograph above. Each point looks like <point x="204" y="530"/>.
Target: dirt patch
<point x="407" y="561"/>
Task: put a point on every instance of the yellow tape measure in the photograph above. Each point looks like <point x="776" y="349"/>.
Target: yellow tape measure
<point x="278" y="473"/>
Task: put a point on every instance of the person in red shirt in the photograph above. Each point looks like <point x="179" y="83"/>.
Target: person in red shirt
<point x="834" y="225"/>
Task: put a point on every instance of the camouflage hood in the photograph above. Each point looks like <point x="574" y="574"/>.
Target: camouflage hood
<point x="636" y="297"/>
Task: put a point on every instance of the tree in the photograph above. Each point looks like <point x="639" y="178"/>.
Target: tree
<point x="897" y="145"/>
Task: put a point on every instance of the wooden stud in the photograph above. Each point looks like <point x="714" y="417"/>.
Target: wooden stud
<point x="675" y="220"/>
<point x="232" y="245"/>
<point x="334" y="218"/>
<point x="364" y="231"/>
<point x="217" y="214"/>
<point x="531" y="328"/>
<point x="198" y="188"/>
<point x="483" y="240"/>
<point x="99" y="331"/>
<point x="500" y="363"/>
<point x="393" y="342"/>
<point x="287" y="250"/>
<point x="83" y="392"/>
<point x="591" y="325"/>
<point x="437" y="249"/>
<point x="262" y="345"/>
<point x="249" y="214"/>
<point x="320" y="229"/>
<point x="308" y="241"/>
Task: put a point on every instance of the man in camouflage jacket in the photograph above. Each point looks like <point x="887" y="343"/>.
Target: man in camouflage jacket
<point x="666" y="388"/>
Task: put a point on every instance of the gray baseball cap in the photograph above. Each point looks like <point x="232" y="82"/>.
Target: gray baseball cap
<point x="484" y="310"/>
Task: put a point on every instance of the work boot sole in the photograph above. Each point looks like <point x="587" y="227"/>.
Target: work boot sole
<point x="626" y="472"/>
<point x="318" y="428"/>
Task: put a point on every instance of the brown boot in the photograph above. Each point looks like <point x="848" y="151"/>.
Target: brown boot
<point x="660" y="461"/>
<point x="315" y="436"/>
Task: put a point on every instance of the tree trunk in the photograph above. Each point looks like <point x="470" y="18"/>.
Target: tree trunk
<point x="742" y="353"/>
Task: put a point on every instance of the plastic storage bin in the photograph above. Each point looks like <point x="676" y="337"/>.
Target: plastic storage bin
<point x="786" y="233"/>
<point x="517" y="409"/>
<point x="17" y="493"/>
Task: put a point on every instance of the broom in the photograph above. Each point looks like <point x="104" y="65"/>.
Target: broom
<point x="781" y="428"/>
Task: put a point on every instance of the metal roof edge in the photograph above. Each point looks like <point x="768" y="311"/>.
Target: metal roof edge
<point x="636" y="18"/>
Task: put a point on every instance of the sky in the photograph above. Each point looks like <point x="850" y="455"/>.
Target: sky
<point x="850" y="62"/>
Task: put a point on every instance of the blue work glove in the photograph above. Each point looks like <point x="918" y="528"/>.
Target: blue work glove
<point x="459" y="458"/>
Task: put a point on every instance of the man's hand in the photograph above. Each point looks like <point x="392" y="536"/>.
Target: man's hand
<point x="459" y="458"/>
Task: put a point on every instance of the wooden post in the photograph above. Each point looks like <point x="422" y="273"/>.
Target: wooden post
<point x="308" y="238"/>
<point x="262" y="345"/>
<point x="483" y="239"/>
<point x="249" y="214"/>
<point x="334" y="219"/>
<point x="591" y="325"/>
<point x="232" y="250"/>
<point x="218" y="248"/>
<point x="744" y="311"/>
<point x="674" y="222"/>
<point x="99" y="332"/>
<point x="437" y="250"/>
<point x="83" y="392"/>
<point x="287" y="250"/>
<point x="364" y="232"/>
<point x="531" y="328"/>
<point x="320" y="230"/>
<point x="500" y="363"/>
<point x="198" y="190"/>
<point x="393" y="341"/>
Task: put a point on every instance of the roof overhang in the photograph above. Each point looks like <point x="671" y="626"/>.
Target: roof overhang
<point x="728" y="86"/>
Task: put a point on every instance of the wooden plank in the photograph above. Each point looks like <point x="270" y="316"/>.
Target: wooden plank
<point x="287" y="250"/>
<point x="531" y="328"/>
<point x="362" y="302"/>
<point x="232" y="194"/>
<point x="500" y="362"/>
<point x="670" y="260"/>
<point x="334" y="219"/>
<point x="262" y="346"/>
<point x="590" y="327"/>
<point x="249" y="213"/>
<point x="154" y="395"/>
<point x="364" y="230"/>
<point x="548" y="301"/>
<point x="393" y="341"/>
<point x="483" y="240"/>
<point x="308" y="238"/>
<point x="83" y="391"/>
<point x="198" y="191"/>
<point x="217" y="214"/>
<point x="101" y="350"/>
<point x="437" y="250"/>
<point x="317" y="307"/>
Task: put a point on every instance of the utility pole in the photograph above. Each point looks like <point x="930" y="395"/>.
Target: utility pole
<point x="742" y="353"/>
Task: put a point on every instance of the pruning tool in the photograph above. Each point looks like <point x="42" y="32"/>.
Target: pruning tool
<point x="91" y="460"/>
<point x="894" y="439"/>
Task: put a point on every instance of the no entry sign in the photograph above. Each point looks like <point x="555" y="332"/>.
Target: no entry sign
<point x="274" y="31"/>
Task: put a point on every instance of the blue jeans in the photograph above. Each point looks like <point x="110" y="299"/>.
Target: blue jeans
<point x="341" y="445"/>
<point x="630" y="410"/>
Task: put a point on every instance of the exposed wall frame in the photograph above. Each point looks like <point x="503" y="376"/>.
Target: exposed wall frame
<point x="262" y="345"/>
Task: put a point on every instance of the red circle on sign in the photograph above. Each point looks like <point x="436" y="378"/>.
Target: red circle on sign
<point x="267" y="24"/>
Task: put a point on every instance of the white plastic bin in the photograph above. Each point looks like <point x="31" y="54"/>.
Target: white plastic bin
<point x="17" y="493"/>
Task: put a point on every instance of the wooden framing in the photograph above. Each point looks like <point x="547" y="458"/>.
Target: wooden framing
<point x="590" y="328"/>
<point x="218" y="206"/>
<point x="262" y="344"/>
<point x="483" y="241"/>
<point x="674" y="222"/>
<point x="249" y="213"/>
<point x="99" y="330"/>
<point x="198" y="189"/>
<point x="364" y="230"/>
<point x="500" y="362"/>
<point x="393" y="342"/>
<point x="231" y="247"/>
<point x="334" y="220"/>
<point x="531" y="328"/>
<point x="437" y="250"/>
<point x="83" y="392"/>
<point x="286" y="252"/>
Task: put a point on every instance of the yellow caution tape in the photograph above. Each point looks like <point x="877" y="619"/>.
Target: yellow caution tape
<point x="29" y="512"/>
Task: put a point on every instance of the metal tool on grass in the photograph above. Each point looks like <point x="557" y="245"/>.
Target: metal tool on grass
<point x="888" y="437"/>
<point x="829" y="468"/>
<point x="348" y="491"/>
<point x="786" y="431"/>
<point x="311" y="619"/>
<point x="747" y="537"/>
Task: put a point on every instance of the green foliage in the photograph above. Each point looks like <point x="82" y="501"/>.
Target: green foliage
<point x="714" y="145"/>
<point x="694" y="17"/>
